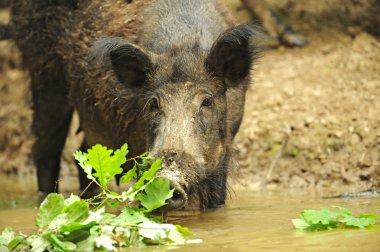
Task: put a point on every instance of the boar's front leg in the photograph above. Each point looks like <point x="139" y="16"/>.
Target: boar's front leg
<point x="273" y="24"/>
<point x="51" y="121"/>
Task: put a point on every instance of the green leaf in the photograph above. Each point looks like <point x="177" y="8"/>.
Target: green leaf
<point x="155" y="232"/>
<point x="129" y="176"/>
<point x="183" y="230"/>
<point x="70" y="200"/>
<point x="145" y="161"/>
<point x="76" y="236"/>
<point x="326" y="219"/>
<point x="300" y="224"/>
<point x="371" y="216"/>
<point x="344" y="210"/>
<point x="70" y="245"/>
<point x="147" y="177"/>
<point x="82" y="159"/>
<point x="96" y="216"/>
<point x="362" y="222"/>
<point x="157" y="192"/>
<point x="105" y="165"/>
<point x="176" y="236"/>
<point x="149" y="174"/>
<point x="105" y="242"/>
<point x="99" y="157"/>
<point x="323" y="216"/>
<point x="130" y="216"/>
<point x="113" y="204"/>
<point x="39" y="244"/>
<point x="77" y="211"/>
<point x="77" y="226"/>
<point x="120" y="156"/>
<point x="51" y="207"/>
<point x="58" y="221"/>
<point x="57" y="243"/>
<point x="17" y="243"/>
<point x="7" y="236"/>
<point x="131" y="194"/>
<point x="87" y="244"/>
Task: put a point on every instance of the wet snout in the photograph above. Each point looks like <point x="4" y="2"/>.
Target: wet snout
<point x="179" y="169"/>
<point x="179" y="198"/>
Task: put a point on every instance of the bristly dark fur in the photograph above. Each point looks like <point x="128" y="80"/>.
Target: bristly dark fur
<point x="165" y="76"/>
<point x="102" y="48"/>
<point x="5" y="32"/>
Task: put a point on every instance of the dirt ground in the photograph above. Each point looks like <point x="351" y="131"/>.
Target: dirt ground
<point x="312" y="115"/>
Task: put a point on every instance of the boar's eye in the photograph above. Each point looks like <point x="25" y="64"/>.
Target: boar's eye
<point x="207" y="102"/>
<point x="154" y="115"/>
<point x="154" y="104"/>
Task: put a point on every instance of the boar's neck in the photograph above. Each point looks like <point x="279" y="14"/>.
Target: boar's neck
<point x="173" y="23"/>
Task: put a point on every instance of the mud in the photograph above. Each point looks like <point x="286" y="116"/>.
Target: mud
<point x="311" y="117"/>
<point x="312" y="114"/>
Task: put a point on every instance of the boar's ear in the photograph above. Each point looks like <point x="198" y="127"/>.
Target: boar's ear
<point x="232" y="54"/>
<point x="130" y="63"/>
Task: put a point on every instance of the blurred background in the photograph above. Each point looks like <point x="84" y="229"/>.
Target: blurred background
<point x="312" y="115"/>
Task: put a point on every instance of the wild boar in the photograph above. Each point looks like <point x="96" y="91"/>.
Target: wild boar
<point x="167" y="76"/>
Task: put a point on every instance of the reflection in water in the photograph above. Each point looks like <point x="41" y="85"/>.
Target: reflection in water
<point x="254" y="221"/>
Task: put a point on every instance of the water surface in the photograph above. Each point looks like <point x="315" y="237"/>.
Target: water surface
<point x="252" y="221"/>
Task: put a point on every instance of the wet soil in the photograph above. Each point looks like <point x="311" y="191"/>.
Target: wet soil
<point x="312" y="115"/>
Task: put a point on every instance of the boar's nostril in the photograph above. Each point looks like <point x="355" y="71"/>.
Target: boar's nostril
<point x="179" y="198"/>
<point x="170" y="156"/>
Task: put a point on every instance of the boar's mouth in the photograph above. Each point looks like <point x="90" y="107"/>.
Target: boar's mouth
<point x="196" y="186"/>
<point x="180" y="198"/>
<point x="194" y="195"/>
<point x="184" y="175"/>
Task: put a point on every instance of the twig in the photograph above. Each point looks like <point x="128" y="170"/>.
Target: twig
<point x="85" y="189"/>
<point x="277" y="157"/>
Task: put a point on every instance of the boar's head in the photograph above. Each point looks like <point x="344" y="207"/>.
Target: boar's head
<point x="190" y="100"/>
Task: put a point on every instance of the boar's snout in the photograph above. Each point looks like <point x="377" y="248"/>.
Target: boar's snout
<point x="179" y="169"/>
<point x="179" y="198"/>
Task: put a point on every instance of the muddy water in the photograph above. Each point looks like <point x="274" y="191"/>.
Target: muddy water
<point x="253" y="221"/>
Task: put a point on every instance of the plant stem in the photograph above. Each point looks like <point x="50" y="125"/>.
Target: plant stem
<point x="85" y="189"/>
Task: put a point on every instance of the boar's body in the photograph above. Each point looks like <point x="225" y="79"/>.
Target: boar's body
<point x="167" y="76"/>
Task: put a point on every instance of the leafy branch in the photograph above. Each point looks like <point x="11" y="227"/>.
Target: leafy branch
<point x="315" y="220"/>
<point x="102" y="165"/>
<point x="74" y="224"/>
